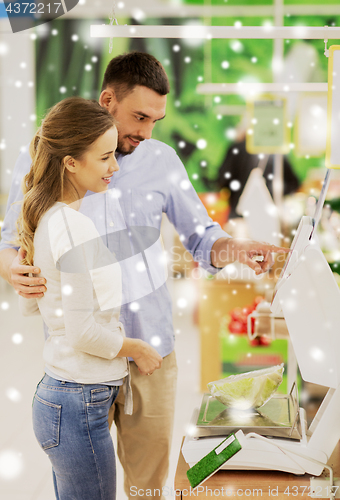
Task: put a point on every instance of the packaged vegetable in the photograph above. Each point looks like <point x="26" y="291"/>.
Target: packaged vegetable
<point x="247" y="390"/>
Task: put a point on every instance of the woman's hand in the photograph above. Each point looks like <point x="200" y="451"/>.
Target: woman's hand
<point x="144" y="355"/>
<point x="147" y="359"/>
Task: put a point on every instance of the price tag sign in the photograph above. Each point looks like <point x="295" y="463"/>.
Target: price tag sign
<point x="333" y="109"/>
<point x="311" y="125"/>
<point x="268" y="131"/>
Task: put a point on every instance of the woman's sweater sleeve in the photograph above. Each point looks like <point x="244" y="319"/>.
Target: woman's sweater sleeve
<point x="28" y="307"/>
<point x="76" y="246"/>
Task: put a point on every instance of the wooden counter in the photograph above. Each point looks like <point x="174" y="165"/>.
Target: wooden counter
<point x="252" y="484"/>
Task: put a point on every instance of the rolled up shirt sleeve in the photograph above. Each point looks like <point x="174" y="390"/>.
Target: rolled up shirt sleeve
<point x="197" y="231"/>
<point x="9" y="229"/>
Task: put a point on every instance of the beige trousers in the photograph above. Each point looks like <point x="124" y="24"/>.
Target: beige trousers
<point x="144" y="438"/>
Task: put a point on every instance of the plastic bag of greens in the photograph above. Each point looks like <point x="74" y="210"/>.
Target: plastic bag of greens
<point x="247" y="390"/>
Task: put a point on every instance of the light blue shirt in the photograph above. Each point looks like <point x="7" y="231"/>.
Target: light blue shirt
<point x="150" y="181"/>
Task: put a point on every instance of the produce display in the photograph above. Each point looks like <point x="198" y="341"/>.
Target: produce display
<point x="247" y="390"/>
<point x="238" y="323"/>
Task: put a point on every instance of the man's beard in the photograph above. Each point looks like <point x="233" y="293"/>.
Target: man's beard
<point x="123" y="149"/>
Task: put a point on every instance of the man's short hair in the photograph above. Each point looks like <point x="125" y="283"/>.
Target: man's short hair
<point x="126" y="71"/>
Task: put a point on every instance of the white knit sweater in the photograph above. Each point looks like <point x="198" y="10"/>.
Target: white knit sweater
<point x="82" y="303"/>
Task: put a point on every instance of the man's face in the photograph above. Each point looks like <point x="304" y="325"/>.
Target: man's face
<point x="136" y="115"/>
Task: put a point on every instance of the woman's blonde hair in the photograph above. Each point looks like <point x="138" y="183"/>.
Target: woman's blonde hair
<point x="69" y="129"/>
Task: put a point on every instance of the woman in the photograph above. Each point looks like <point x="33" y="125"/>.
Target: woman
<point x="85" y="353"/>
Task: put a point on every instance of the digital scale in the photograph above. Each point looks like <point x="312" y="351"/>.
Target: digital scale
<point x="276" y="437"/>
<point x="278" y="417"/>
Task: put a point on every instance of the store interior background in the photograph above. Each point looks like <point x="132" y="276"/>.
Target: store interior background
<point x="60" y="59"/>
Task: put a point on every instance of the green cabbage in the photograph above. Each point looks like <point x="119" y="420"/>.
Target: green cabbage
<point x="247" y="390"/>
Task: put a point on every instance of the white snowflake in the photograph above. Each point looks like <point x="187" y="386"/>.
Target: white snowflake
<point x="235" y="185"/>
<point x="230" y="133"/>
<point x="134" y="306"/>
<point x="236" y="46"/>
<point x="11" y="464"/>
<point x="317" y="354"/>
<point x="115" y="193"/>
<point x="185" y="184"/>
<point x="200" y="230"/>
<point x="140" y="267"/>
<point x="3" y="49"/>
<point x="17" y="338"/>
<point x="67" y="289"/>
<point x="182" y="303"/>
<point x="138" y="14"/>
<point x="13" y="394"/>
<point x="201" y="144"/>
<point x="155" y="341"/>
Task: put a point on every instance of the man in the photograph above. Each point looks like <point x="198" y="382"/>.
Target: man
<point x="151" y="180"/>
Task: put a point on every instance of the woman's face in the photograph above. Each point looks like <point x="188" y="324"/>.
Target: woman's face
<point x="93" y="172"/>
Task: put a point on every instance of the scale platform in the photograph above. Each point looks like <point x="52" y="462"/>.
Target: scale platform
<point x="279" y="417"/>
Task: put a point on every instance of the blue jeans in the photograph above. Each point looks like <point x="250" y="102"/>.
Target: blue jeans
<point x="70" y="422"/>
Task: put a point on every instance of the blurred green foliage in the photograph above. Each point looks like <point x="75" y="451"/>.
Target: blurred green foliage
<point x="61" y="63"/>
